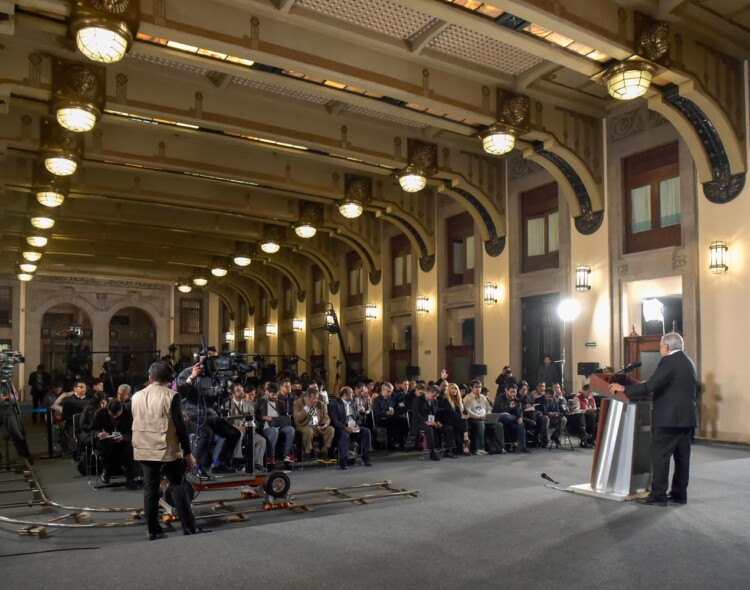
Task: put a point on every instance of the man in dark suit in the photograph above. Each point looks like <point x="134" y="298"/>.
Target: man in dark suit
<point x="673" y="418"/>
<point x="347" y="421"/>
<point x="426" y="419"/>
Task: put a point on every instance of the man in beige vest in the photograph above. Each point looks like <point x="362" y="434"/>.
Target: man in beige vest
<point x="162" y="445"/>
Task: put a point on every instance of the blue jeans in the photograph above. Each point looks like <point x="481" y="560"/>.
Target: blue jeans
<point x="511" y="423"/>
<point x="271" y="434"/>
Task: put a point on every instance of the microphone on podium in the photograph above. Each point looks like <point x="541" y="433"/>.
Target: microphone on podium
<point x="630" y="367"/>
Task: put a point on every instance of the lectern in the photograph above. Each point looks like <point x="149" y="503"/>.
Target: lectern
<point x="621" y="468"/>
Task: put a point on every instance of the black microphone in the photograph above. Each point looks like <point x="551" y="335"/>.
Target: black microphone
<point x="548" y="478"/>
<point x="630" y="367"/>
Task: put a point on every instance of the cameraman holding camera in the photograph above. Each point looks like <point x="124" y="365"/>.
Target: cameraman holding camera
<point x="199" y="376"/>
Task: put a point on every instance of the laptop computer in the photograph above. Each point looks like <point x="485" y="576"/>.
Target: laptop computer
<point x="492" y="418"/>
<point x="281" y="421"/>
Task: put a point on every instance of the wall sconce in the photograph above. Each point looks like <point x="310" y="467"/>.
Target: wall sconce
<point x="330" y="319"/>
<point x="219" y="267"/>
<point x="297" y="324"/>
<point x="61" y="149"/>
<point x="271" y="239"/>
<point x="104" y="31"/>
<point x="371" y="311"/>
<point x="78" y="94"/>
<point x="229" y="336"/>
<point x="422" y="158"/>
<point x="271" y="329"/>
<point x="423" y="305"/>
<point x="248" y="333"/>
<point x="717" y="257"/>
<point x="491" y="293"/>
<point x="183" y="286"/>
<point x="583" y="278"/>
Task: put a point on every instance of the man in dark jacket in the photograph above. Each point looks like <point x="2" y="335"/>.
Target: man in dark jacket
<point x="113" y="428"/>
<point x="511" y="414"/>
<point x="347" y="421"/>
<point x="673" y="418"/>
<point x="426" y="420"/>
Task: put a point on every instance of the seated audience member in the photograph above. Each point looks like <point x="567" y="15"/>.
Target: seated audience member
<point x="123" y="394"/>
<point x="388" y="415"/>
<point x="113" y="430"/>
<point x="286" y="397"/>
<point x="436" y="433"/>
<point x="549" y="405"/>
<point x="348" y="423"/>
<point x="454" y="415"/>
<point x="243" y="407"/>
<point x="68" y="405"/>
<point x="269" y="409"/>
<point x="311" y="421"/>
<point x="411" y="401"/>
<point x="536" y="422"/>
<point x="511" y="414"/>
<point x="478" y="406"/>
<point x="583" y="414"/>
<point x="206" y="423"/>
<point x="364" y="404"/>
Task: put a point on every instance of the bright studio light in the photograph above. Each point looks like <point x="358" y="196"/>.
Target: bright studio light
<point x="568" y="310"/>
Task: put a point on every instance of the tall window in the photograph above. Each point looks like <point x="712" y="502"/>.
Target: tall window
<point x="540" y="228"/>
<point x="460" y="240"/>
<point x="652" y="199"/>
<point x="356" y="281"/>
<point x="191" y="316"/>
<point x="287" y="293"/>
<point x="400" y="266"/>
<point x="319" y="295"/>
<point x="6" y="302"/>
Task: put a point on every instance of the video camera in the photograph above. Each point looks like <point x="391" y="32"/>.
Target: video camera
<point x="7" y="360"/>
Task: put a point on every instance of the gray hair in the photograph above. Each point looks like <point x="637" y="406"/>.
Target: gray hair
<point x="125" y="388"/>
<point x="386" y="385"/>
<point x="673" y="341"/>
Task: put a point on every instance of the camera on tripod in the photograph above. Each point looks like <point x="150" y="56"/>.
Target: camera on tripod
<point x="8" y="359"/>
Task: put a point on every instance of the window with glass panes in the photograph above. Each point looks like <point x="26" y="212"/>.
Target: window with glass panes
<point x="540" y="228"/>
<point x="400" y="266"/>
<point x="191" y="316"/>
<point x="355" y="279"/>
<point x="459" y="231"/>
<point x="652" y="199"/>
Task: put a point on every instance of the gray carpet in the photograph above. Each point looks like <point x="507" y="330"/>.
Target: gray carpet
<point x="476" y="521"/>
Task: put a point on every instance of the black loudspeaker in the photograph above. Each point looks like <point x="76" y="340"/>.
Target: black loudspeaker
<point x="479" y="370"/>
<point x="412" y="371"/>
<point x="586" y="369"/>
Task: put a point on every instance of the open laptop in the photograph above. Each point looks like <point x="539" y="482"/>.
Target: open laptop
<point x="492" y="418"/>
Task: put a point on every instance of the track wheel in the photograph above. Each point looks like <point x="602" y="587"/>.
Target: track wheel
<point x="277" y="484"/>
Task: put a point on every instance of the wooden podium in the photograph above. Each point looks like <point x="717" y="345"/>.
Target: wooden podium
<point x="621" y="468"/>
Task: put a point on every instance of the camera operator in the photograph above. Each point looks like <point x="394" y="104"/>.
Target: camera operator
<point x="199" y="376"/>
<point x="204" y="421"/>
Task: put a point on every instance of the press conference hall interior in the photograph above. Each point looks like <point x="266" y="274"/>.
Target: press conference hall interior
<point x="418" y="213"/>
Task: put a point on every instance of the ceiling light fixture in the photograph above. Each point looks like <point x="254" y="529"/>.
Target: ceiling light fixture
<point x="31" y="255"/>
<point x="412" y="179"/>
<point x="219" y="268"/>
<point x="498" y="140"/>
<point x="199" y="279"/>
<point x="36" y="240"/>
<point x="50" y="198"/>
<point x="629" y="79"/>
<point x="22" y="276"/>
<point x="27" y="267"/>
<point x="78" y="94"/>
<point x="305" y="230"/>
<point x="104" y="31"/>
<point x="350" y="208"/>
<point x="183" y="286"/>
<point x="270" y="247"/>
<point x="42" y="222"/>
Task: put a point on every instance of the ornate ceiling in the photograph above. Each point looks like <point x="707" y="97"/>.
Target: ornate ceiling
<point x="228" y="117"/>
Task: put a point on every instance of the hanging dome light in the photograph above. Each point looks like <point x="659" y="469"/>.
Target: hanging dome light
<point x="183" y="286"/>
<point x="242" y="260"/>
<point x="628" y="80"/>
<point x="36" y="240"/>
<point x="42" y="222"/>
<point x="270" y="247"/>
<point x="305" y="230"/>
<point x="497" y="140"/>
<point x="102" y="44"/>
<point x="219" y="268"/>
<point x="199" y="280"/>
<point x="78" y="118"/>
<point x="31" y="255"/>
<point x="27" y="267"/>
<point x="50" y="198"/>
<point x="350" y="208"/>
<point x="22" y="276"/>
<point x="412" y="179"/>
<point x="61" y="165"/>
<point x="104" y="30"/>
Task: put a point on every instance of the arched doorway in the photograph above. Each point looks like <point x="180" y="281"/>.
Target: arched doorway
<point x="65" y="346"/>
<point x="132" y="343"/>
